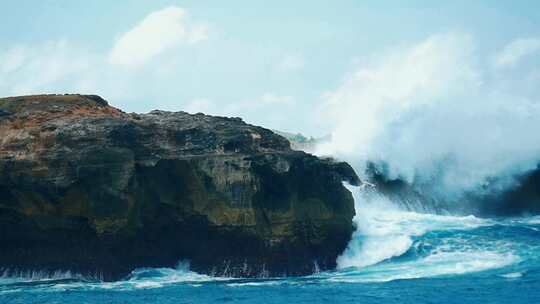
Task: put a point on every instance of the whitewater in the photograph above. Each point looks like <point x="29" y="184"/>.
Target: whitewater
<point x="395" y="256"/>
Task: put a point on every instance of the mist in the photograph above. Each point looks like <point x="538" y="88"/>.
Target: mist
<point x="440" y="114"/>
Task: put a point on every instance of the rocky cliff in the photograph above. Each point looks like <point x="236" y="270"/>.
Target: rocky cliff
<point x="88" y="188"/>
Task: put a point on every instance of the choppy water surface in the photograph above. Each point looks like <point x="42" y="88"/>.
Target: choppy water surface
<point x="396" y="256"/>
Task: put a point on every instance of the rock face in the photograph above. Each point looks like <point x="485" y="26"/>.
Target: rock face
<point x="522" y="197"/>
<point x="88" y="188"/>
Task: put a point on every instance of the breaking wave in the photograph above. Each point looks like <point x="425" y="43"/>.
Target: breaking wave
<point x="391" y="243"/>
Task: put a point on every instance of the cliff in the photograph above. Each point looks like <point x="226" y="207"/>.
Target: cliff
<point x="88" y="188"/>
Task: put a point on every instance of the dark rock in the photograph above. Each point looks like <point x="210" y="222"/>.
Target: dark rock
<point x="494" y="199"/>
<point x="88" y="188"/>
<point x="521" y="198"/>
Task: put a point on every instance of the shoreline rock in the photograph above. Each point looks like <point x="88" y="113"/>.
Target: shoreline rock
<point x="88" y="188"/>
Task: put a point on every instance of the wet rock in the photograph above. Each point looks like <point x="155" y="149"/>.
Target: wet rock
<point x="88" y="188"/>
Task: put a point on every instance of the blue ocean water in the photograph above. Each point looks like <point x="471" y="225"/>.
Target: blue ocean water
<point x="396" y="256"/>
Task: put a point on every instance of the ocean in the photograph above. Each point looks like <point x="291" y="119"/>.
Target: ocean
<point x="396" y="256"/>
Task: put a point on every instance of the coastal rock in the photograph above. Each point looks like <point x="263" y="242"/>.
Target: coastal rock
<point x="499" y="198"/>
<point x="88" y="188"/>
<point x="521" y="198"/>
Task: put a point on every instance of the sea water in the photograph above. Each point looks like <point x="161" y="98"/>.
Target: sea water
<point x="395" y="256"/>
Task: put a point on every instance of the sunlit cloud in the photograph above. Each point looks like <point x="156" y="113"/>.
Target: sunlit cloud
<point x="516" y="50"/>
<point x="290" y="63"/>
<point x="157" y="33"/>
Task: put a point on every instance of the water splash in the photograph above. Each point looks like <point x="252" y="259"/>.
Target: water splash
<point x="392" y="243"/>
<point x="438" y="116"/>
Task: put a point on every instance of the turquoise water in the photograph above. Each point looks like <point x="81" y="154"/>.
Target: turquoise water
<point x="396" y="256"/>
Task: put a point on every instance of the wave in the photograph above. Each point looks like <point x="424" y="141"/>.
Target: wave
<point x="448" y="263"/>
<point x="384" y="230"/>
<point x="138" y="279"/>
<point x="391" y="243"/>
<point x="8" y="276"/>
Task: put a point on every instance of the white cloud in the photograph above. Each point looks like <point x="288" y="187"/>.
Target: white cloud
<point x="271" y="99"/>
<point x="269" y="110"/>
<point x="198" y="33"/>
<point x="29" y="70"/>
<point x="267" y="103"/>
<point x="200" y="105"/>
<point x="60" y="67"/>
<point x="12" y="59"/>
<point x="290" y="63"/>
<point x="156" y="33"/>
<point x="516" y="50"/>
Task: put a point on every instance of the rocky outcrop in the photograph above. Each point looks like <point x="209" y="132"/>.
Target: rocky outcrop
<point x="88" y="188"/>
<point x="521" y="198"/>
<point x="495" y="199"/>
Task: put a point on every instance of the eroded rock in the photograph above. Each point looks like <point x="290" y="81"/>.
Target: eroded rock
<point x="88" y="188"/>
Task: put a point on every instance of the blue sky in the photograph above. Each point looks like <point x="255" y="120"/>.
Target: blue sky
<point x="274" y="63"/>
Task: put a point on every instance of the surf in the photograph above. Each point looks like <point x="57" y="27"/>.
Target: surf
<point x="392" y="242"/>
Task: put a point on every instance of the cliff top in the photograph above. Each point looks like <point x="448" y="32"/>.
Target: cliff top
<point x="50" y="102"/>
<point x="41" y="127"/>
<point x="33" y="117"/>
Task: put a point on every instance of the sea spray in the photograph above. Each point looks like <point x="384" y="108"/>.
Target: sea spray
<point x="391" y="243"/>
<point x="438" y="116"/>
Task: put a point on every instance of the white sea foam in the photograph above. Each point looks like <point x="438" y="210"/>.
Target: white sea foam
<point x="533" y="220"/>
<point x="147" y="284"/>
<point x="146" y="278"/>
<point x="512" y="275"/>
<point x="384" y="231"/>
<point x="260" y="283"/>
<point x="14" y="275"/>
<point x="143" y="278"/>
<point x="440" y="264"/>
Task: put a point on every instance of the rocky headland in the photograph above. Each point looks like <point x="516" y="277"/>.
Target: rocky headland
<point x="88" y="188"/>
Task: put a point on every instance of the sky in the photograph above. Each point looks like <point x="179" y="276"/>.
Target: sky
<point x="315" y="67"/>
